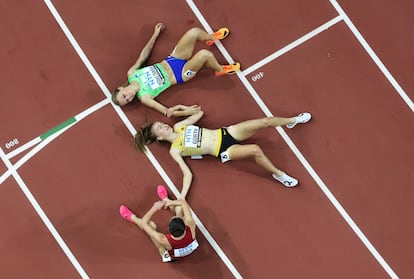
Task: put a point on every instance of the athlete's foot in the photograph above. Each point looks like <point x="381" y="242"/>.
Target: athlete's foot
<point x="286" y="180"/>
<point x="125" y="213"/>
<point x="228" y="69"/>
<point x="162" y="192"/>
<point x="301" y="118"/>
<point x="218" y="35"/>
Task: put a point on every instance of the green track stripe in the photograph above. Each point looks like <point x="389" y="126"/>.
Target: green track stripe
<point x="58" y="127"/>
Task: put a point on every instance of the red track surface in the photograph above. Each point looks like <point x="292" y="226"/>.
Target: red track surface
<point x="359" y="142"/>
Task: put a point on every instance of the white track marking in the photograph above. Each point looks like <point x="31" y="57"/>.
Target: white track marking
<point x="86" y="62"/>
<point x="31" y="153"/>
<point x="23" y="148"/>
<point x="42" y="143"/>
<point x="207" y="27"/>
<point x="43" y="217"/>
<point x="37" y="140"/>
<point x="292" y="45"/>
<point x="296" y="151"/>
<point x="373" y="55"/>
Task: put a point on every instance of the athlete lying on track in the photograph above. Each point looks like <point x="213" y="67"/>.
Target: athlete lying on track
<point x="187" y="139"/>
<point x="181" y="239"/>
<point x="181" y="66"/>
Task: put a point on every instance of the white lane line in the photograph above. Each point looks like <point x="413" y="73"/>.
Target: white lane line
<point x="129" y="125"/>
<point x="42" y="143"/>
<point x="374" y="56"/>
<point x="37" y="140"/>
<point x="292" y="45"/>
<point x="75" y="44"/>
<point x="23" y="148"/>
<point x="207" y="27"/>
<point x="403" y="95"/>
<point x="86" y="61"/>
<point x="43" y="217"/>
<point x="304" y="162"/>
<point x="31" y="153"/>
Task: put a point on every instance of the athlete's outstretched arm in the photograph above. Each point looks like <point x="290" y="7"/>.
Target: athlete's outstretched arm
<point x="187" y="174"/>
<point x="146" y="51"/>
<point x="148" y="101"/>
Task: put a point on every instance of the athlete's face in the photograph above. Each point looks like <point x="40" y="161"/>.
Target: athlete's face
<point x="125" y="95"/>
<point x="161" y="130"/>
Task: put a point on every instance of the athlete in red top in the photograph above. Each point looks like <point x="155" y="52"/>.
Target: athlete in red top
<point x="184" y="244"/>
<point x="181" y="239"/>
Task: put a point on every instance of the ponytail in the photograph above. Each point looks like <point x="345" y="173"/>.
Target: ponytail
<point x="144" y="137"/>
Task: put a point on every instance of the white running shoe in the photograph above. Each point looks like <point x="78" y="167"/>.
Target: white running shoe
<point x="286" y="180"/>
<point x="301" y="118"/>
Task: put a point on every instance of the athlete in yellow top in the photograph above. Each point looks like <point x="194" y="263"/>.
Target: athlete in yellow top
<point x="180" y="66"/>
<point x="187" y="139"/>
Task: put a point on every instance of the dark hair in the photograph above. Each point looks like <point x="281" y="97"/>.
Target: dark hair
<point x="176" y="227"/>
<point x="144" y="137"/>
<point x="115" y="93"/>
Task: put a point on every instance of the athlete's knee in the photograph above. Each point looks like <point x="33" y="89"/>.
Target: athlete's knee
<point x="193" y="33"/>
<point x="204" y="54"/>
<point x="256" y="151"/>
<point x="195" y="30"/>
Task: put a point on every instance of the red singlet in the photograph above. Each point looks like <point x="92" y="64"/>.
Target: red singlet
<point x="184" y="246"/>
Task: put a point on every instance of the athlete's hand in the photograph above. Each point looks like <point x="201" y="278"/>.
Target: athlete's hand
<point x="158" y="205"/>
<point x="167" y="203"/>
<point x="191" y="110"/>
<point x="158" y="28"/>
<point x="186" y="110"/>
<point x="170" y="111"/>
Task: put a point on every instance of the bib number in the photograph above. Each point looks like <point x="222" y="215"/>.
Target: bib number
<point x="182" y="252"/>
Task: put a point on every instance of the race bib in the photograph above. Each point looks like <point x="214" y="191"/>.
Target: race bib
<point x="182" y="252"/>
<point x="151" y="76"/>
<point x="192" y="137"/>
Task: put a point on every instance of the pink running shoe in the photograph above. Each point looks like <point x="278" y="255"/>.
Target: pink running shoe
<point x="162" y="192"/>
<point x="125" y="213"/>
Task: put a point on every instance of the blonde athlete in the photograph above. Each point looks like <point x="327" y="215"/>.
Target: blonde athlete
<point x="180" y="66"/>
<point x="187" y="139"/>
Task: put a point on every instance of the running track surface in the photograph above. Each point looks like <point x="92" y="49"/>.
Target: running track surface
<point x="68" y="161"/>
